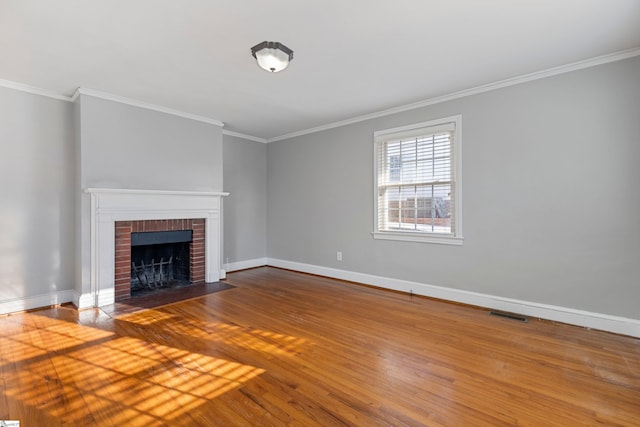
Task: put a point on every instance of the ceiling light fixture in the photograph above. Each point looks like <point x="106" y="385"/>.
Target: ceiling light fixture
<point x="272" y="56"/>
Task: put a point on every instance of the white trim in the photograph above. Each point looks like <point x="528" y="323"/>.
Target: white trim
<point x="432" y="126"/>
<point x="86" y="300"/>
<point x="109" y="205"/>
<point x="604" y="322"/>
<point x="145" y="105"/>
<point x="154" y="192"/>
<point x="244" y="136"/>
<point x="446" y="124"/>
<point x="36" y="301"/>
<point x="587" y="63"/>
<point x="418" y="237"/>
<point x="75" y="95"/>
<point x="575" y="66"/>
<point x="243" y="265"/>
<point x="34" y="90"/>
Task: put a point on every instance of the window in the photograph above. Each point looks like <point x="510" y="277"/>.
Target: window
<point x="417" y="182"/>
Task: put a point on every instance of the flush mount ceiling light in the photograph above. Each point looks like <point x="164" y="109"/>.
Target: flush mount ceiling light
<point x="272" y="56"/>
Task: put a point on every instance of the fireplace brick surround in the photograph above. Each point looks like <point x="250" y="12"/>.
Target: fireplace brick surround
<point x="117" y="212"/>
<point x="123" y="230"/>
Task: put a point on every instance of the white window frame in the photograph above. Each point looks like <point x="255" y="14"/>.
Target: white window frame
<point x="380" y="137"/>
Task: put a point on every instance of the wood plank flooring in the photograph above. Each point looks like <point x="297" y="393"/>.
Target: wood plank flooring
<point x="285" y="348"/>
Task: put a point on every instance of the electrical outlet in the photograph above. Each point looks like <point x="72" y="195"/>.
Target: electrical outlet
<point x="339" y="256"/>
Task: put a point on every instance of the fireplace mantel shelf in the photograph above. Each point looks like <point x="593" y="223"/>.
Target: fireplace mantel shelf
<point x="155" y="192"/>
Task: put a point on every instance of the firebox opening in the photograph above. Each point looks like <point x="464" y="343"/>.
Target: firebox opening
<point x="160" y="260"/>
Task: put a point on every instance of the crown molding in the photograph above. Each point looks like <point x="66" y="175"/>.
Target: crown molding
<point x="32" y="89"/>
<point x="587" y="63"/>
<point x="604" y="59"/>
<point x="244" y="136"/>
<point x="108" y="96"/>
<point x="145" y="105"/>
<point x="75" y="95"/>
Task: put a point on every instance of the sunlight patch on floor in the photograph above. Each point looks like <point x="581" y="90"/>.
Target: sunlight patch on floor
<point x="223" y="333"/>
<point x="48" y="335"/>
<point x="120" y="378"/>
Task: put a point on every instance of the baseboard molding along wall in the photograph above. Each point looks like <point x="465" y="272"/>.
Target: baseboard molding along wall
<point x="243" y="265"/>
<point x="604" y="322"/>
<point x="36" y="301"/>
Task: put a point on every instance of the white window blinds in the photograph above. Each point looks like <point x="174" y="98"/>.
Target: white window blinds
<point x="416" y="179"/>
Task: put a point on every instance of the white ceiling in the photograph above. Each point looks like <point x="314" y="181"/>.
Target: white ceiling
<point x="352" y="57"/>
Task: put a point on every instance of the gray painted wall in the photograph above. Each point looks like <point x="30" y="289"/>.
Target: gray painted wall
<point x="245" y="209"/>
<point x="551" y="204"/>
<point x="124" y="146"/>
<point x="36" y="184"/>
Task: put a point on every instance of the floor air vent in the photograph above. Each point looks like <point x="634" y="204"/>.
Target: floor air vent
<point x="512" y="316"/>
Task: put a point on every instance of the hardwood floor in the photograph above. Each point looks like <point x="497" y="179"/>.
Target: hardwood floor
<point x="285" y="348"/>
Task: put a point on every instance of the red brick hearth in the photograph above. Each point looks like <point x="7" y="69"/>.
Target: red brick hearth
<point x="123" y="249"/>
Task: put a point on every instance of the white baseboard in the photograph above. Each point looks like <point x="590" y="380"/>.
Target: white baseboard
<point x="36" y="301"/>
<point x="243" y="265"/>
<point x="604" y="322"/>
<point x="106" y="297"/>
<point x="86" y="300"/>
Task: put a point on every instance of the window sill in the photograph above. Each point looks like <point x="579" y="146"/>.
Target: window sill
<point x="418" y="237"/>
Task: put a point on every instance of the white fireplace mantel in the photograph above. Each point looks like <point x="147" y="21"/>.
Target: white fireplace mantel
<point x="109" y="205"/>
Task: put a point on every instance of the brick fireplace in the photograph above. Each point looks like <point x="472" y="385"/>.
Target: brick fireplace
<point x="123" y="230"/>
<point x="116" y="213"/>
